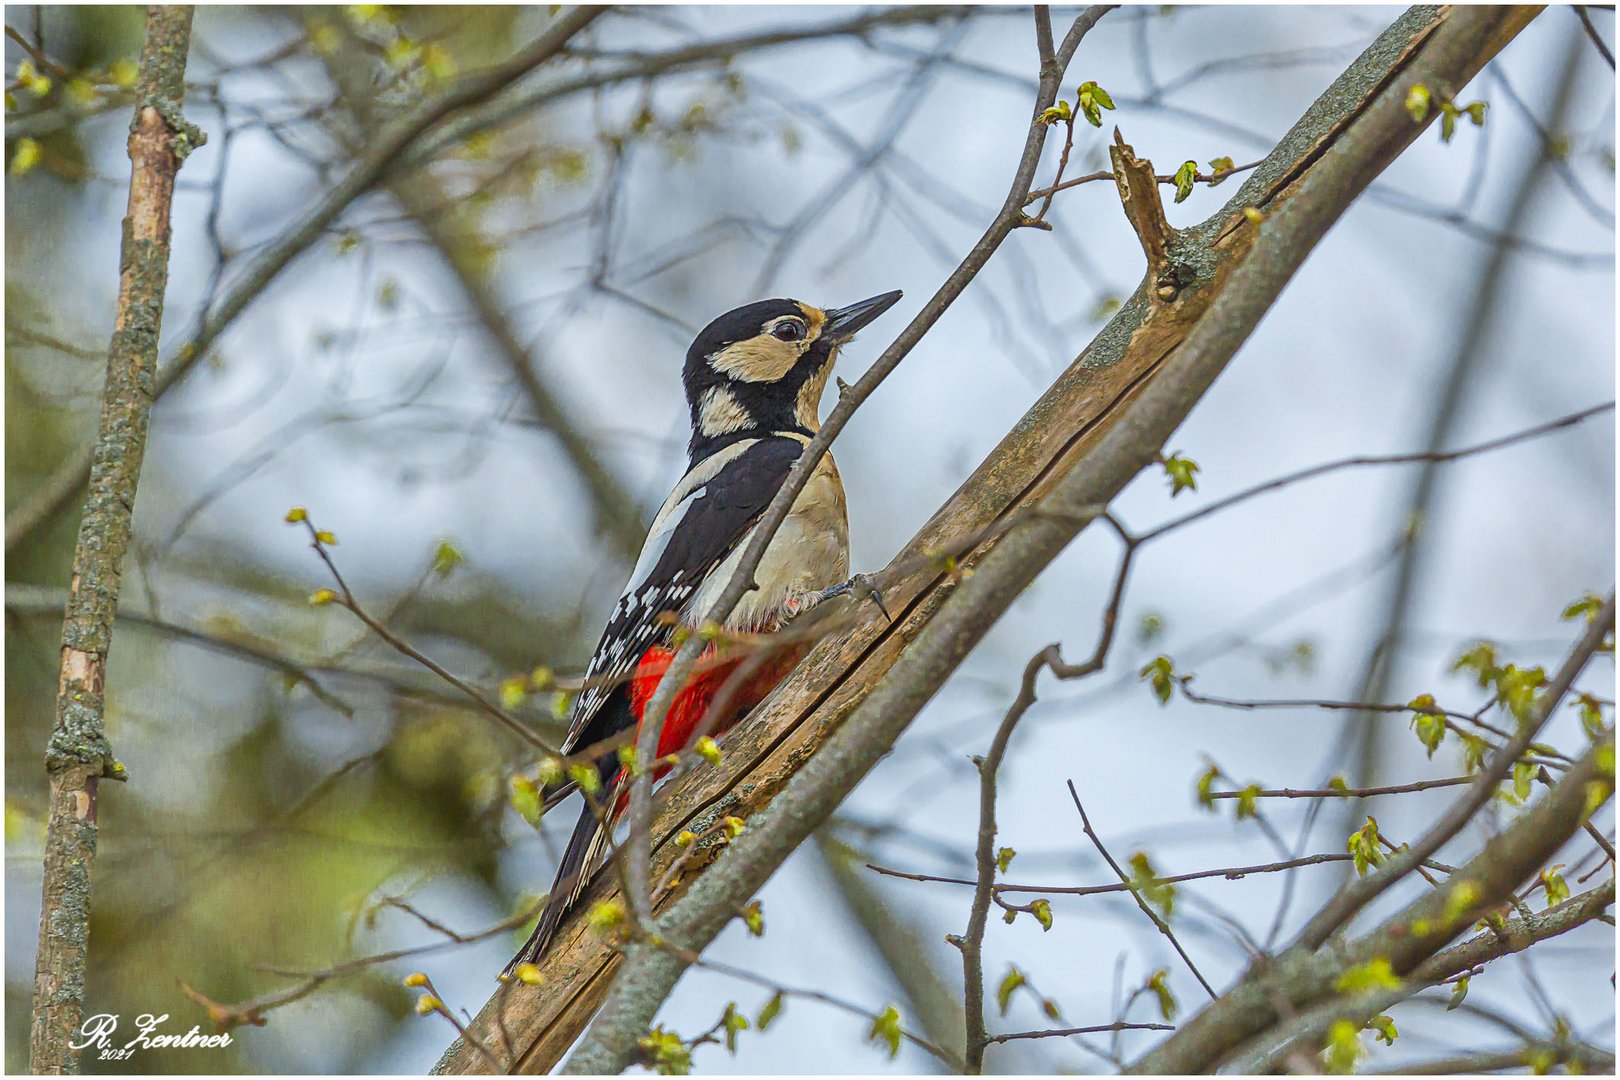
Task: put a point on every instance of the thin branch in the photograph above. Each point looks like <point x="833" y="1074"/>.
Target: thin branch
<point x="1430" y="457"/>
<point x="1136" y="894"/>
<point x="1230" y="873"/>
<point x="345" y="598"/>
<point x="1093" y="1030"/>
<point x="1591" y="32"/>
<point x="971" y="943"/>
<point x="1345" y="793"/>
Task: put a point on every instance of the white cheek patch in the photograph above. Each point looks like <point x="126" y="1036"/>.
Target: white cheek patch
<point x="720" y="413"/>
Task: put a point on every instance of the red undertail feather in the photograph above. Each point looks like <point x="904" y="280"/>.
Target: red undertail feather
<point x="692" y="704"/>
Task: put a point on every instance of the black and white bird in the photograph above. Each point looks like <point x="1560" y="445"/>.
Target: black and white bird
<point x="754" y="379"/>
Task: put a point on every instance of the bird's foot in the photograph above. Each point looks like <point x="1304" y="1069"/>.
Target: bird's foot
<point x="861" y="587"/>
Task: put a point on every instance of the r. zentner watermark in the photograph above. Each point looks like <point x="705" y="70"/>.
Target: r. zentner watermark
<point x="97" y="1032"/>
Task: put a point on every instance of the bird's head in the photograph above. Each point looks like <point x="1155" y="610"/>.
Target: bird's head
<point x="763" y="367"/>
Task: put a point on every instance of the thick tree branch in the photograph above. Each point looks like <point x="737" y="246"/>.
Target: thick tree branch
<point x="78" y="755"/>
<point x="1113" y="408"/>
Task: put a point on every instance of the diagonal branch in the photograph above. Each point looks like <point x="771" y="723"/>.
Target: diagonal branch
<point x="844" y="706"/>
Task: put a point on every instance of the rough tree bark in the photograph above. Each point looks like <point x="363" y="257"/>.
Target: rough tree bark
<point x="78" y="756"/>
<point x="1092" y="431"/>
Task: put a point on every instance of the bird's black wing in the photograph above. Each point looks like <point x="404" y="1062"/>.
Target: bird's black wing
<point x="686" y="543"/>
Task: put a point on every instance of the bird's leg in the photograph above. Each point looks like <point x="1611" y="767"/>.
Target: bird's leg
<point x="861" y="587"/>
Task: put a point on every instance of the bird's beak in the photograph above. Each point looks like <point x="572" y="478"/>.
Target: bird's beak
<point x="842" y="322"/>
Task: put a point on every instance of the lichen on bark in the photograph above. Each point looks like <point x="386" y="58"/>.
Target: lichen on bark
<point x="79" y="755"/>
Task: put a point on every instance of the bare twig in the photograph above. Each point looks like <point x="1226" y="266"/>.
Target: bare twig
<point x="1230" y="873"/>
<point x="971" y="943"/>
<point x="1591" y="32"/>
<point x="1095" y="1029"/>
<point x="1345" y="793"/>
<point x="1136" y="894"/>
<point x="345" y="598"/>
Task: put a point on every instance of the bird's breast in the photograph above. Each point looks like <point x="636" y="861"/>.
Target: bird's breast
<point x="809" y="553"/>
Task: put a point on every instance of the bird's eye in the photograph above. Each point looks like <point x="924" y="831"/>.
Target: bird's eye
<point x="788" y="331"/>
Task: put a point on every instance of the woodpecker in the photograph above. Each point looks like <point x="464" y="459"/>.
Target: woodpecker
<point x="754" y="379"/>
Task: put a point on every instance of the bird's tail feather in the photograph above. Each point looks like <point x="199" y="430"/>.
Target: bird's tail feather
<point x="579" y="859"/>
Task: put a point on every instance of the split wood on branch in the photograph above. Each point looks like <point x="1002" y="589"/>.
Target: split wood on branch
<point x="79" y="756"/>
<point x="838" y="713"/>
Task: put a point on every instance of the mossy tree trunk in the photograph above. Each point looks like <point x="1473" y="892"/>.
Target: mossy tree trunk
<point x="79" y="756"/>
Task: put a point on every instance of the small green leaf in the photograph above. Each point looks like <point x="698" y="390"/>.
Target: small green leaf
<point x="1206" y="787"/>
<point x="1180" y="470"/>
<point x="1091" y="100"/>
<point x="1004" y="858"/>
<point x="1591" y="712"/>
<point x="1248" y="802"/>
<point x="1459" y="991"/>
<point x="446" y="557"/>
<point x="1385" y="1027"/>
<point x="1553" y="884"/>
<point x="1159" y="983"/>
<point x="1150" y="628"/>
<point x="772" y="1009"/>
<point x="586" y="776"/>
<point x="1186" y="176"/>
<point x="1009" y="983"/>
<point x="1363" y="846"/>
<point x="1417" y="102"/>
<point x="1219" y="169"/>
<point x="1589" y="606"/>
<point x="1524" y="773"/>
<point x="1057" y="113"/>
<point x="526" y="799"/>
<point x="1144" y="881"/>
<point x="514" y="692"/>
<point x="733" y="1022"/>
<point x="1160" y="675"/>
<point x="1516" y="689"/>
<point x="605" y="916"/>
<point x="886" y="1027"/>
<point x="1448" y="124"/>
<point x="1343" y="1048"/>
<point x="1375" y="974"/>
<point x="1042" y="910"/>
<point x="666" y="1052"/>
<point x="1480" y="658"/>
<point x="1428" y="723"/>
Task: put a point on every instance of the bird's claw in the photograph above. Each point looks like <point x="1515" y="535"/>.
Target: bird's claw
<point x="861" y="587"/>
